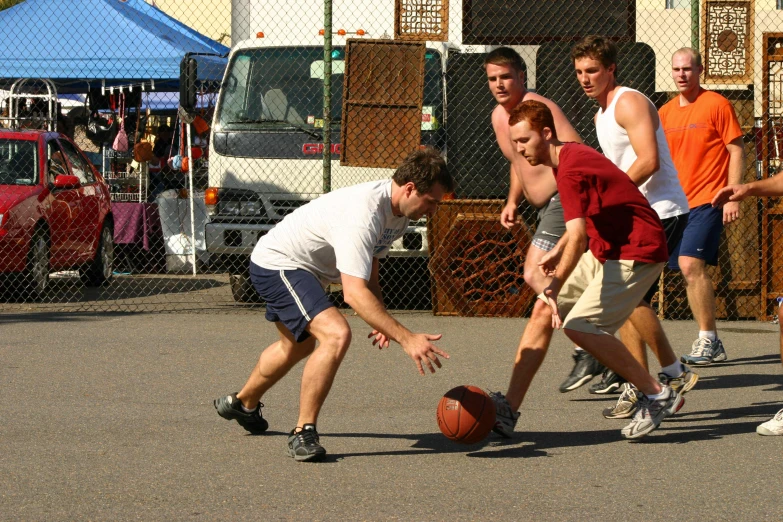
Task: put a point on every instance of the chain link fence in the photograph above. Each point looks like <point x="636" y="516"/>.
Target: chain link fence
<point x="113" y="198"/>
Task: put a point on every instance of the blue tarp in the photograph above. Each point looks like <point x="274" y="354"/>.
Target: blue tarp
<point x="81" y="42"/>
<point x="155" y="101"/>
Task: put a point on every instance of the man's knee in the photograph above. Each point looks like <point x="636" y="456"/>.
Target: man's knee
<point x="332" y="331"/>
<point x="691" y="267"/>
<point x="338" y="340"/>
<point x="541" y="312"/>
<point x="534" y="279"/>
<point x="532" y="274"/>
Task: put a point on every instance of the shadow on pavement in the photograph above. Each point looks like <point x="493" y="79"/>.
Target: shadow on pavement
<point x="58" y="317"/>
<point x="761" y="359"/>
<point x="760" y="410"/>
<point x="535" y="444"/>
<point x="716" y="382"/>
<point x="424" y="444"/>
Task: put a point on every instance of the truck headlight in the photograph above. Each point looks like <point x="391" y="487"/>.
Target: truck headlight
<point x="230" y="207"/>
<point x="250" y="208"/>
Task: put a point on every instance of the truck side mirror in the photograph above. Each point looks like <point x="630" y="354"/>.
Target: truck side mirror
<point x="188" y="76"/>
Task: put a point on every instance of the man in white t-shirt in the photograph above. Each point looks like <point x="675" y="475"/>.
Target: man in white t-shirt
<point x="631" y="136"/>
<point x="338" y="237"/>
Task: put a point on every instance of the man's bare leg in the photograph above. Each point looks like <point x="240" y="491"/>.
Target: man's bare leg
<point x="643" y="327"/>
<point x="708" y="348"/>
<point x="585" y="363"/>
<point x="534" y="278"/>
<point x="632" y="339"/>
<point x="532" y="349"/>
<point x="275" y="361"/>
<point x="334" y="336"/>
<point x="701" y="294"/>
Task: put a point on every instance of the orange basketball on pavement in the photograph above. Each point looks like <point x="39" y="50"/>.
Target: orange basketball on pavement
<point x="466" y="414"/>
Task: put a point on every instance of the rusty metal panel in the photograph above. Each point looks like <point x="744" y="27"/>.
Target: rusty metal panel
<point x="477" y="265"/>
<point x="382" y="100"/>
<point x="421" y="20"/>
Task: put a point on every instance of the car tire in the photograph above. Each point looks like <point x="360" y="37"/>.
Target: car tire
<point x="99" y="271"/>
<point x="36" y="275"/>
<point x="242" y="288"/>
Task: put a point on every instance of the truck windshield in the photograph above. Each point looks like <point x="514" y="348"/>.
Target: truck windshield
<point x="281" y="88"/>
<point x="18" y="162"/>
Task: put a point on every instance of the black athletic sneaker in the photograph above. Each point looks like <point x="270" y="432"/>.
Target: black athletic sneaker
<point x="305" y="446"/>
<point x="229" y="407"/>
<point x="610" y="383"/>
<point x="585" y="368"/>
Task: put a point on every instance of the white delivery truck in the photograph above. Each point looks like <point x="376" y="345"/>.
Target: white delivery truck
<point x="265" y="152"/>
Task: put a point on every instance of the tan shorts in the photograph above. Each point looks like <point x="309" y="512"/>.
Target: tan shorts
<point x="598" y="299"/>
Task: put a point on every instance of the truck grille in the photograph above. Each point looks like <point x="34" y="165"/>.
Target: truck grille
<point x="283" y="207"/>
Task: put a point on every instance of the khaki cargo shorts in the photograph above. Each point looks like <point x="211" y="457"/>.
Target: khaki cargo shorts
<point x="598" y="299"/>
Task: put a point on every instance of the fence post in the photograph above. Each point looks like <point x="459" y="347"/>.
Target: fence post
<point x="327" y="136"/>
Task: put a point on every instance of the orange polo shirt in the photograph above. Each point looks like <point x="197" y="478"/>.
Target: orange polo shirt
<point x="697" y="135"/>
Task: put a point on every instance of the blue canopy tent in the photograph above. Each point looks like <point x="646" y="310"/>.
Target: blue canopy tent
<point x="86" y="44"/>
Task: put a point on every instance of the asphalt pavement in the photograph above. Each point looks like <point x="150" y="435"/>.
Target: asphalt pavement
<point x="109" y="417"/>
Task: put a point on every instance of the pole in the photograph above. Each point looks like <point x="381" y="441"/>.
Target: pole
<point x="191" y="200"/>
<point x="327" y="136"/>
<point x="695" y="25"/>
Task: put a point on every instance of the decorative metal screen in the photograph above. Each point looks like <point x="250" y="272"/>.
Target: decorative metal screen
<point x="728" y="52"/>
<point x="421" y="20"/>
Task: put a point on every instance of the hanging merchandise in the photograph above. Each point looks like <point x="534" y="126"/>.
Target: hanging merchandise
<point x="200" y="125"/>
<point x="142" y="150"/>
<point x="121" y="140"/>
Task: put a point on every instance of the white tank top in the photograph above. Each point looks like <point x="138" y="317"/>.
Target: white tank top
<point x="662" y="189"/>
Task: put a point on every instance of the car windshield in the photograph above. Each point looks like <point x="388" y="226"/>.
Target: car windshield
<point x="281" y="88"/>
<point x="18" y="162"/>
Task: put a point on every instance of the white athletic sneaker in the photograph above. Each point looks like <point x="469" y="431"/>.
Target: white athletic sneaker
<point x="650" y="413"/>
<point x="773" y="426"/>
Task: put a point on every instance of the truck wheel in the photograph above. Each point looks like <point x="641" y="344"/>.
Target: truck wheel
<point x="242" y="289"/>
<point x="99" y="270"/>
<point x="36" y="275"/>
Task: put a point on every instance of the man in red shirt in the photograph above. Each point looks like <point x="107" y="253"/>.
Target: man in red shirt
<point x="592" y="293"/>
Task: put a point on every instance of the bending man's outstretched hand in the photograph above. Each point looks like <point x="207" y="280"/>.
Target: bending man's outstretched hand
<point x="419" y="347"/>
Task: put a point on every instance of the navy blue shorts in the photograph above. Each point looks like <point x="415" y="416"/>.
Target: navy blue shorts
<point x="701" y="237"/>
<point x="293" y="297"/>
<point x="673" y="227"/>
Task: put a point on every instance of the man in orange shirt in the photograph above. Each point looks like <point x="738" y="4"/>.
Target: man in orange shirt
<point x="705" y="140"/>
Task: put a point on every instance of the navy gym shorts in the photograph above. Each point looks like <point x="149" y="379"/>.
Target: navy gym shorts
<point x="293" y="297"/>
<point x="701" y="237"/>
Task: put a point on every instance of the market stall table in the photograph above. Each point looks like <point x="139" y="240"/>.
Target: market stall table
<point x="139" y="236"/>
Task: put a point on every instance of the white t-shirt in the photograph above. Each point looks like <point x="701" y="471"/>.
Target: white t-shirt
<point x="338" y="233"/>
<point x="663" y="189"/>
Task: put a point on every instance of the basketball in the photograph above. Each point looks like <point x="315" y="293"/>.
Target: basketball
<point x="466" y="414"/>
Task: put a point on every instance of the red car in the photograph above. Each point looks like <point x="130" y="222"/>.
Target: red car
<point x="55" y="212"/>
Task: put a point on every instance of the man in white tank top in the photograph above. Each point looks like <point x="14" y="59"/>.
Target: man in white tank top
<point x="631" y="136"/>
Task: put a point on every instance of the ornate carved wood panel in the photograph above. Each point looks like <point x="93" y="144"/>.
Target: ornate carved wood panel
<point x="421" y="20"/>
<point x="728" y="41"/>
